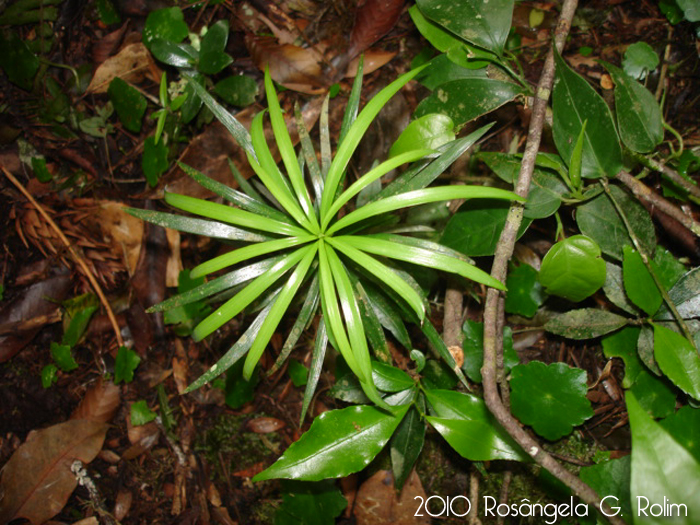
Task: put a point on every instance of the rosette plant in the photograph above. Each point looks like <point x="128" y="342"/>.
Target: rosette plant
<point x="312" y="244"/>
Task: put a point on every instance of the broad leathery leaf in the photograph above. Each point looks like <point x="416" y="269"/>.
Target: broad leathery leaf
<point x="575" y="101"/>
<point x="441" y="70"/>
<point x="173" y="54"/>
<point x="657" y="395"/>
<point x="599" y="220"/>
<point x="212" y="58"/>
<point x="406" y="446"/>
<point x="611" y="477"/>
<point x="439" y="37"/>
<point x="467" y="99"/>
<point x="685" y="294"/>
<point x="639" y="284"/>
<point x="585" y="323"/>
<point x="483" y="25"/>
<point x="623" y="344"/>
<point x="339" y="443"/>
<point x="167" y="24"/>
<point x="388" y="378"/>
<point x="468" y="426"/>
<point x="549" y="398"/>
<point x="37" y="480"/>
<point x="663" y="471"/>
<point x="684" y="426"/>
<point x="427" y="132"/>
<point x="638" y="114"/>
<point x="678" y="359"/>
<point x="573" y="268"/>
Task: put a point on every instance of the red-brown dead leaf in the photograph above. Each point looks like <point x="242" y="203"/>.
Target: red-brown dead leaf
<point x="265" y="425"/>
<point x="100" y="403"/>
<point x="105" y="46"/>
<point x="373" y="60"/>
<point x="373" y="20"/>
<point x="37" y="480"/>
<point x="378" y="504"/>
<point x="250" y="471"/>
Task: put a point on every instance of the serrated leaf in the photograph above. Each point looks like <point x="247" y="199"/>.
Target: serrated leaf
<point x="575" y="101"/>
<point x="639" y="284"/>
<point x="638" y="114"/>
<point x="550" y="398"/>
<point x="677" y="359"/>
<point x="685" y="294"/>
<point x="599" y="220"/>
<point x="663" y="471"/>
<point x="406" y="446"/>
<point x="339" y="443"/>
<point x="623" y="344"/>
<point x="573" y="268"/>
<point x="468" y="426"/>
<point x="585" y="323"/>
<point x="126" y="362"/>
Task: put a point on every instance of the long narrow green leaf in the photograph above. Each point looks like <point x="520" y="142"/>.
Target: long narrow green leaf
<point x="196" y="226"/>
<point x="325" y="140"/>
<point x="278" y="310"/>
<point x="388" y="313"/>
<point x="247" y="252"/>
<point x="307" y="149"/>
<point x="437" y="344"/>
<point x="331" y="311"/>
<point x="217" y="285"/>
<point x="236" y="304"/>
<point x="308" y="310"/>
<point x="355" y="133"/>
<point x="420" y="256"/>
<point x="237" y="351"/>
<point x="419" y="177"/>
<point x="383" y="273"/>
<point x="319" y="355"/>
<point x="424" y="196"/>
<point x="373" y="327"/>
<point x="240" y="134"/>
<point x="286" y="149"/>
<point x="246" y="186"/>
<point x="233" y="196"/>
<point x="221" y="212"/>
<point x="353" y="105"/>
<point x="370" y="177"/>
<point x="422" y="243"/>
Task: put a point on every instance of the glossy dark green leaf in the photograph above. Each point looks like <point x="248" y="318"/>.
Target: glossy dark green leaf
<point x="655" y="394"/>
<point x="585" y="323"/>
<point x="388" y="314"/>
<point x="18" y="62"/>
<point x="438" y="36"/>
<point x="467" y="99"/>
<point x="212" y="58"/>
<point x="213" y="63"/>
<point x="611" y="478"/>
<point x="388" y="378"/>
<point x="677" y="359"/>
<point x="623" y="344"/>
<point x="684" y="427"/>
<point x="614" y="289"/>
<point x="639" y="60"/>
<point x="575" y="101"/>
<point x="372" y="324"/>
<point x="525" y="294"/>
<point x="468" y="426"/>
<point x="306" y="503"/>
<point x="427" y="132"/>
<point x="173" y="53"/>
<point x="599" y="220"/>
<point x="339" y="443"/>
<point x="141" y="414"/>
<point x="406" y="446"/>
<point x="442" y="70"/>
<point x="237" y="90"/>
<point x="549" y="398"/>
<point x="573" y="268"/>
<point x="155" y="160"/>
<point x="167" y="24"/>
<point x="129" y="104"/>
<point x="193" y="102"/>
<point x="639" y="284"/>
<point x="319" y="354"/>
<point x="63" y="357"/>
<point x="638" y="114"/>
<point x="685" y="294"/>
<point x="663" y="471"/>
<point x="483" y="25"/>
<point x="463" y="235"/>
<point x="239" y="390"/>
<point x="473" y="346"/>
<point x="124" y="365"/>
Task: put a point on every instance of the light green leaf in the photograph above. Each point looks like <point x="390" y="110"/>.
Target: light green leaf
<point x="585" y="323"/>
<point x="663" y="471"/>
<point x="614" y="289"/>
<point x="441" y="70"/>
<point x="639" y="284"/>
<point x="639" y="60"/>
<point x="427" y="132"/>
<point x="549" y="398"/>
<point x="575" y="101"/>
<point x="63" y="357"/>
<point x="126" y="362"/>
<point x="140" y="413"/>
<point x="678" y="359"/>
<point x="339" y="443"/>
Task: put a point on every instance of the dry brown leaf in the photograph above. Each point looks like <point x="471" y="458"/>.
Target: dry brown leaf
<point x="374" y="59"/>
<point x="100" y="403"/>
<point x="378" y="504"/>
<point x="265" y="425"/>
<point x="122" y="504"/>
<point x="373" y="20"/>
<point x="37" y="480"/>
<point x="92" y="520"/>
<point x="105" y="46"/>
<point x="132" y="64"/>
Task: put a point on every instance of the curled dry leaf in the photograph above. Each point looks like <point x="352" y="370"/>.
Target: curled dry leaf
<point x="265" y="425"/>
<point x="37" y="480"/>
<point x="100" y="403"/>
<point x="132" y="64"/>
<point x="378" y="504"/>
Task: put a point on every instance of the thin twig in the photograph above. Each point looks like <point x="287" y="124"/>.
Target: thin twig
<point x="504" y="252"/>
<point x="671" y="174"/>
<point x="646" y="194"/>
<point x="74" y="253"/>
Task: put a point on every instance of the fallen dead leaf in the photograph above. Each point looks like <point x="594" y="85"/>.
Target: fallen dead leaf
<point x="37" y="480"/>
<point x="122" y="504"/>
<point x="99" y="403"/>
<point x="373" y="20"/>
<point x="265" y="425"/>
<point x="374" y="59"/>
<point x="378" y="504"/>
<point x="131" y="64"/>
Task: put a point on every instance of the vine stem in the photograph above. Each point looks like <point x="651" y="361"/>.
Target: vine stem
<point x="74" y="253"/>
<point x="493" y="310"/>
<point x="673" y="175"/>
<point x="645" y="259"/>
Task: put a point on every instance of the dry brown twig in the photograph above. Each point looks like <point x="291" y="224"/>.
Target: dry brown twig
<point x="493" y="311"/>
<point x="74" y="253"/>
